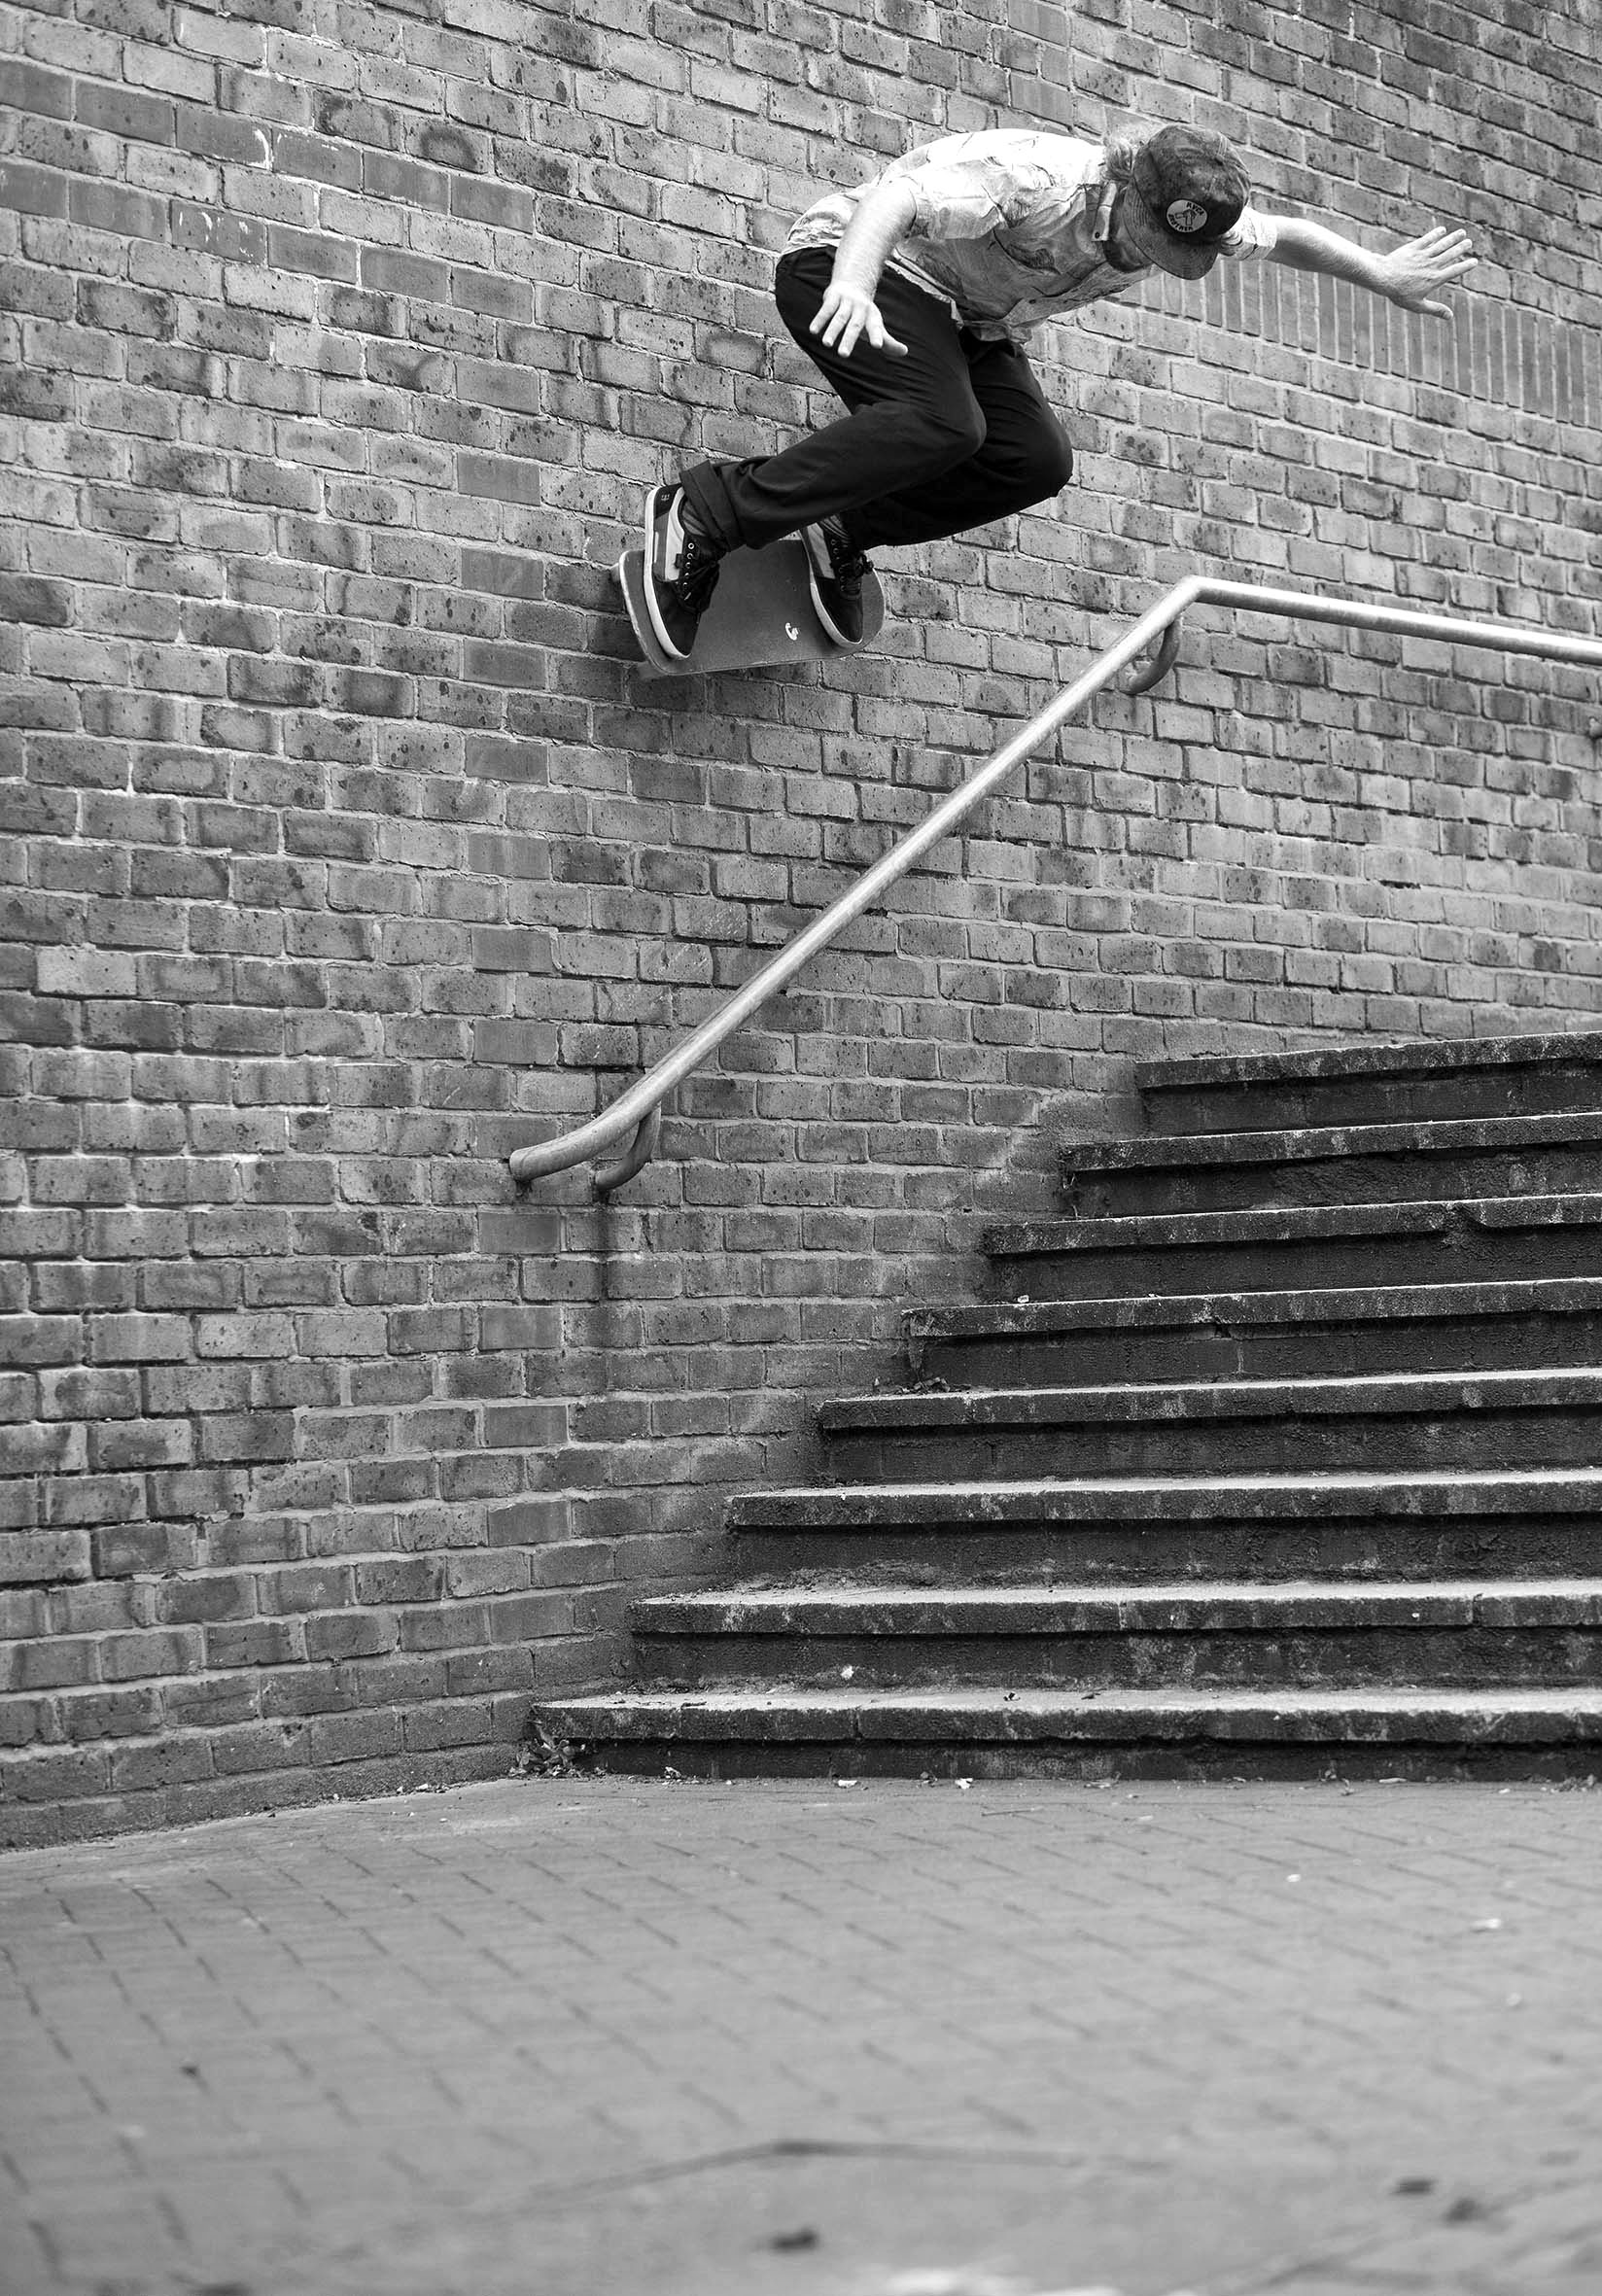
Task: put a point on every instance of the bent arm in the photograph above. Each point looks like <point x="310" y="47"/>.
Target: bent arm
<point x="1413" y="274"/>
<point x="884" y="216"/>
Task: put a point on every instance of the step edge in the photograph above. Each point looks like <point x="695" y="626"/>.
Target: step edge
<point x="1312" y="1143"/>
<point x="1365" y="1060"/>
<point x="1305" y="1304"/>
<point x="1481" y="1716"/>
<point x="1406" y="1695"/>
<point x="1290" y="1224"/>
<point x="1001" y="1504"/>
<point x="1397" y="1394"/>
<point x="1158" y="1609"/>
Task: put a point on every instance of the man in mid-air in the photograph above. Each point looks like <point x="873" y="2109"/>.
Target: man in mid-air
<point x="914" y="295"/>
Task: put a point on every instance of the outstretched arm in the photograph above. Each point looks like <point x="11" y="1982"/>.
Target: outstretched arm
<point x="1413" y="274"/>
<point x="848" y="310"/>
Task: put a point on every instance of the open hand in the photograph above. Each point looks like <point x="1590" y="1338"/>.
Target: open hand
<point x="846" y="313"/>
<point x="1416" y="271"/>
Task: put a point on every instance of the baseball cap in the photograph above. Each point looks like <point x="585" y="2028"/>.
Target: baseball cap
<point x="1186" y="191"/>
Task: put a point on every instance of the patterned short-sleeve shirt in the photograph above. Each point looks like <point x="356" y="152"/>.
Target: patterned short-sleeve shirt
<point x="1009" y="226"/>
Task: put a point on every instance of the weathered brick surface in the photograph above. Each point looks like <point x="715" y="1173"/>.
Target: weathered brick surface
<point x="342" y="852"/>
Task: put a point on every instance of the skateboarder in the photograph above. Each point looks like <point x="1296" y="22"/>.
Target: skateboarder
<point x="914" y="295"/>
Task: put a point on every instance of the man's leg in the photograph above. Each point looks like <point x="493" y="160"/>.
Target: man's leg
<point x="911" y="421"/>
<point x="953" y="435"/>
<point x="1025" y="459"/>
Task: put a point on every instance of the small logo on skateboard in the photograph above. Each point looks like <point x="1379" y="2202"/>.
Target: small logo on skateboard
<point x="791" y="632"/>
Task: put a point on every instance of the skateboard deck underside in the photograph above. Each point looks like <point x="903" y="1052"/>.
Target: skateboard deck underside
<point x="761" y="613"/>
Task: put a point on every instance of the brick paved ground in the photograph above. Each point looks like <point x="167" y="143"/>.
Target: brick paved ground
<point x="571" y="2038"/>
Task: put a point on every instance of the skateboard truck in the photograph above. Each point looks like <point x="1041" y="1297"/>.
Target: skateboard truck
<point x="1143" y="677"/>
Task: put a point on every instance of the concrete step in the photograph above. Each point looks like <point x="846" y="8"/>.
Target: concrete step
<point x="1535" y="1523"/>
<point x="1240" y="1499"/>
<point x="1245" y="1170"/>
<point x="1441" y="1420"/>
<point x="1295" y="1634"/>
<point x="1333" y="1334"/>
<point x="1369" y="1082"/>
<point x="1486" y="1240"/>
<point x="982" y="1732"/>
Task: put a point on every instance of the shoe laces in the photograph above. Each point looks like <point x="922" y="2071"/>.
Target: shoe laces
<point x="696" y="575"/>
<point x="847" y="563"/>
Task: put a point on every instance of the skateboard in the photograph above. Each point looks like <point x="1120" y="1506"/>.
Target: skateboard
<point x="761" y="614"/>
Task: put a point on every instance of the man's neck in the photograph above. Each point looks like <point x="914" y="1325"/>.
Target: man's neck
<point x="1105" y="232"/>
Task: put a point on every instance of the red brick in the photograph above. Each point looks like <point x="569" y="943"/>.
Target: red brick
<point x="349" y="853"/>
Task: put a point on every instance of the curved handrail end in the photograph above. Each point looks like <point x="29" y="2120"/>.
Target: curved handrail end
<point x="1140" y="681"/>
<point x="637" y="1156"/>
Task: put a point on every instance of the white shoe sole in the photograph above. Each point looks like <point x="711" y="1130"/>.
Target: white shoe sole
<point x="670" y="648"/>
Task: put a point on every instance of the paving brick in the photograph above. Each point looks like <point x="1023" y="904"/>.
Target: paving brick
<point x="893" y="2028"/>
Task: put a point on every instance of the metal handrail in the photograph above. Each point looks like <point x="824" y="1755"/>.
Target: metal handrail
<point x="639" y="1110"/>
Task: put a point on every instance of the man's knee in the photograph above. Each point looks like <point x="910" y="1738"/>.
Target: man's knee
<point x="1059" y="464"/>
<point x="955" y="435"/>
<point x="1031" y="468"/>
<point x="1049" y="465"/>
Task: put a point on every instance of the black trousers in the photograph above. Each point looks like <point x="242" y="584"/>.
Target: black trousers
<point x="952" y="436"/>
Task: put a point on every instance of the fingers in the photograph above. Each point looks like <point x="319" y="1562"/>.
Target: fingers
<point x="1428" y="283"/>
<point x="1439" y="253"/>
<point x="843" y="319"/>
<point x="1438" y="258"/>
<point x="827" y="320"/>
<point x="839" y="322"/>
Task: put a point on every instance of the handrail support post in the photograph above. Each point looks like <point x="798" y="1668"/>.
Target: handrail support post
<point x="1140" y="680"/>
<point x="636" y="1156"/>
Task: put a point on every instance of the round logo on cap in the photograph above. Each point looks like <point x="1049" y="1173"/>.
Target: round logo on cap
<point x="1186" y="215"/>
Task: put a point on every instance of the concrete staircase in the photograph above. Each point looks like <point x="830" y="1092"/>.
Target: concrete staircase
<point x="1281" y="1454"/>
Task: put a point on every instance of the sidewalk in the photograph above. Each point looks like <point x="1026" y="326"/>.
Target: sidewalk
<point x="593" y="2037"/>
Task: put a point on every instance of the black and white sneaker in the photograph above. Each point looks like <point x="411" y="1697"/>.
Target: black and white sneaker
<point x="835" y="568"/>
<point x="680" y="572"/>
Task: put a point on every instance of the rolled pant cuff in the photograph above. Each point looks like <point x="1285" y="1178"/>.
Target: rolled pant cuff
<point x="708" y="498"/>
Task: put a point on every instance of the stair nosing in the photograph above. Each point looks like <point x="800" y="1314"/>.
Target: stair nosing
<point x="1127" y="1608"/>
<point x="1286" y="1224"/>
<point x="1303" y="1305"/>
<point x="1311" y="1143"/>
<point x="1365" y="1060"/>
<point x="993" y="1505"/>
<point x="1342" y="1477"/>
<point x="1185" y="1706"/>
<point x="1128" y="1403"/>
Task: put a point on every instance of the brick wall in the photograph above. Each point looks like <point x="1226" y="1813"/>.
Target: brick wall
<point x="343" y="851"/>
